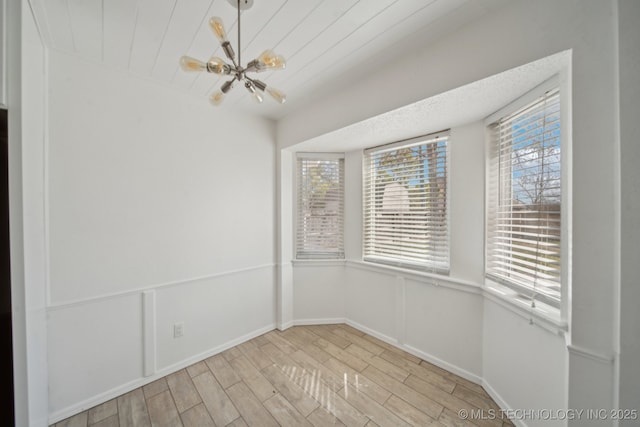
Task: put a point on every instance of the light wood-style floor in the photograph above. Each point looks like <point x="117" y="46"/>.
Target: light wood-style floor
<point x="328" y="375"/>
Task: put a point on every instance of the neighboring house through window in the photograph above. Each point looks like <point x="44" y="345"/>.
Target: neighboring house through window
<point x="406" y="204"/>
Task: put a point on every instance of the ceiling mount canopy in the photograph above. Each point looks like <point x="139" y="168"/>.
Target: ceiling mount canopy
<point x="242" y="4"/>
<point x="267" y="60"/>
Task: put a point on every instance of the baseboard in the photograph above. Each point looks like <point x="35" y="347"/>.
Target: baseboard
<point x="444" y="365"/>
<point x="329" y="321"/>
<point x="132" y="385"/>
<point x="373" y="333"/>
<point x="501" y="402"/>
<point x="285" y="326"/>
<point x="418" y="353"/>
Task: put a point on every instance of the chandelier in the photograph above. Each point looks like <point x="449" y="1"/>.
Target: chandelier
<point x="267" y="60"/>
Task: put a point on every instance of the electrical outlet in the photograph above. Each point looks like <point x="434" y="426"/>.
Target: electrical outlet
<point x="178" y="329"/>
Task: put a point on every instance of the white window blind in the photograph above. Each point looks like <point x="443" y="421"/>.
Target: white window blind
<point x="405" y="204"/>
<point x="320" y="216"/>
<point x="524" y="200"/>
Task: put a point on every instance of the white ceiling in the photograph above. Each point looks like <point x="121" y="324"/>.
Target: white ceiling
<point x="323" y="41"/>
<point x="463" y="105"/>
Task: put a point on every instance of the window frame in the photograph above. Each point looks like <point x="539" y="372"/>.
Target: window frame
<point x="428" y="266"/>
<point x="307" y="255"/>
<point x="515" y="292"/>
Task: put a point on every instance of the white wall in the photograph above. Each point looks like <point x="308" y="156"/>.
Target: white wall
<point x="629" y="15"/>
<point x="150" y="189"/>
<point x="33" y="152"/>
<point x="319" y="293"/>
<point x="525" y="366"/>
<point x="25" y="99"/>
<point x="488" y="46"/>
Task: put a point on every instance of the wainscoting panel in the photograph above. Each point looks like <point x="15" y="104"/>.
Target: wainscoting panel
<point x="103" y="347"/>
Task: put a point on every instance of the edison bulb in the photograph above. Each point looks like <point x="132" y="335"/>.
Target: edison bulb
<point x="279" y="63"/>
<point x="257" y="97"/>
<point x="218" y="28"/>
<point x="216" y="65"/>
<point x="267" y="56"/>
<point x="277" y="95"/>
<point x="216" y="98"/>
<point x="188" y="63"/>
<point x="272" y="61"/>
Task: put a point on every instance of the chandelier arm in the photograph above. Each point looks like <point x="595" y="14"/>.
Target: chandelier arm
<point x="239" y="51"/>
<point x="257" y="83"/>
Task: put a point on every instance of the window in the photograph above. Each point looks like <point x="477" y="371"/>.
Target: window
<point x="405" y="204"/>
<point x="319" y="231"/>
<point x="524" y="200"/>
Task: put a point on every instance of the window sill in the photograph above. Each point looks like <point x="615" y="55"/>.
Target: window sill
<point x="318" y="262"/>
<point x="543" y="315"/>
<point x="419" y="276"/>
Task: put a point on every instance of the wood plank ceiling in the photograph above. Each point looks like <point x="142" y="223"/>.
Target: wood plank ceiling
<point x="322" y="40"/>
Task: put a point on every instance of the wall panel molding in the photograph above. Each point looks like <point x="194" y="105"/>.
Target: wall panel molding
<point x="590" y="354"/>
<point x="83" y="301"/>
<point x="132" y="385"/>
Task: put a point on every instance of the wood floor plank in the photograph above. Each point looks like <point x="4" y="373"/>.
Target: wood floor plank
<point x="305" y="334"/>
<point x="255" y="355"/>
<point x="385" y="366"/>
<point x="318" y="370"/>
<point x="372" y="409"/>
<point x="132" y="410"/>
<point x="222" y="370"/>
<point x="420" y="371"/>
<point x="284" y="412"/>
<point x="163" y="411"/>
<point x="449" y="418"/>
<point x="478" y="400"/>
<point x="260" y="386"/>
<point x="324" y="331"/>
<point x="316" y="352"/>
<point x="249" y="406"/>
<point x="78" y="420"/>
<point x="342" y="355"/>
<point x="351" y="329"/>
<point x="339" y="407"/>
<point x="155" y="387"/>
<point x="447" y="400"/>
<point x="231" y="353"/>
<point x="284" y="362"/>
<point x="322" y="418"/>
<point x="453" y="377"/>
<point x="238" y="422"/>
<point x="390" y="347"/>
<point x="297" y="339"/>
<point x="430" y="407"/>
<point x="197" y="369"/>
<point x="359" y="381"/>
<point x="197" y="416"/>
<point x="111" y="421"/>
<point x="101" y="412"/>
<point x="261" y="340"/>
<point x="283" y="344"/>
<point x="408" y="412"/>
<point x="183" y="391"/>
<point x="215" y="399"/>
<point x="293" y="392"/>
<point x="357" y="339"/>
